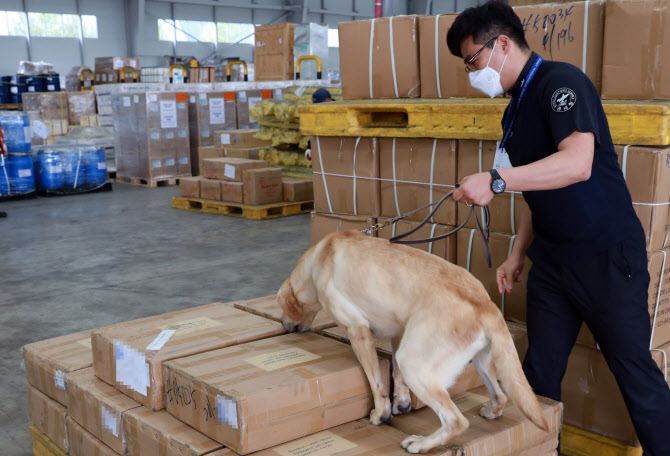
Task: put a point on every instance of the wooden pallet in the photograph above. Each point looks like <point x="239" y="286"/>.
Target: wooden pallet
<point x="148" y="182"/>
<point x="577" y="442"/>
<point x="268" y="211"/>
<point x="43" y="445"/>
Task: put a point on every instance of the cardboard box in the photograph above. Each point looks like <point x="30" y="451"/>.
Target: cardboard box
<point x="210" y="189"/>
<point x="249" y="154"/>
<point x="270" y="391"/>
<point x="116" y="63"/>
<point x="48" y="361"/>
<point x="190" y="186"/>
<point x="232" y="192"/>
<point x="476" y="157"/>
<point x="430" y="164"/>
<point x="159" y="433"/>
<point x="444" y="248"/>
<point x="322" y="224"/>
<point x="471" y="255"/>
<point x="98" y="407"/>
<point x="129" y="355"/>
<point x="90" y="120"/>
<point x="50" y="105"/>
<point x="229" y="168"/>
<point x="83" y="443"/>
<point x="635" y="51"/>
<point x="268" y="307"/>
<point x="208" y="152"/>
<point x="48" y="416"/>
<point x="512" y="434"/>
<point x="262" y="186"/>
<point x="392" y="71"/>
<point x="338" y="163"/>
<point x="296" y="189"/>
<point x="202" y="75"/>
<point x="273" y="52"/>
<point x="247" y="99"/>
<point x="80" y="104"/>
<point x="240" y="139"/>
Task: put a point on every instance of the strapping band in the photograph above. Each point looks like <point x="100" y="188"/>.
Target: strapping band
<point x="395" y="76"/>
<point x="358" y="140"/>
<point x="372" y="37"/>
<point x="325" y="183"/>
<point x="437" y="59"/>
<point x="658" y="300"/>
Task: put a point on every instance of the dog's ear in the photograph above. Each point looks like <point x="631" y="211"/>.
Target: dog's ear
<point x="288" y="302"/>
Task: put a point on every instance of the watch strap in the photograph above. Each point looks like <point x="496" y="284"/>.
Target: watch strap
<point x="494" y="174"/>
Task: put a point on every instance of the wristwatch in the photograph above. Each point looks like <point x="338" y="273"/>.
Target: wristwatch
<point x="497" y="184"/>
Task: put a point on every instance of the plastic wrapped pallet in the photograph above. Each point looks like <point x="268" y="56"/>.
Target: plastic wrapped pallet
<point x="73" y="79"/>
<point x="80" y="104"/>
<point x="93" y="136"/>
<point x="66" y="169"/>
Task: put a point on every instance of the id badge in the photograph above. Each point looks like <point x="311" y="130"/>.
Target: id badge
<point x="501" y="160"/>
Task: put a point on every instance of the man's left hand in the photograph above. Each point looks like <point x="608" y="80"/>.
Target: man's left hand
<point x="474" y="189"/>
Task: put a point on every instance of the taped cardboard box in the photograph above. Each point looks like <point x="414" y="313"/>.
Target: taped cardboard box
<point x="444" y="248"/>
<point x="80" y="104"/>
<point x="48" y="416"/>
<point x="273" y="52"/>
<point x="636" y="51"/>
<point x="159" y="433"/>
<point x="265" y="393"/>
<point x="414" y="173"/>
<point x="346" y="173"/>
<point x="83" y="443"/>
<point x="48" y="361"/>
<point x="98" y="408"/>
<point x="229" y="168"/>
<point x="50" y="105"/>
<point x="240" y="139"/>
<point x="115" y="63"/>
<point x="247" y="99"/>
<point x="210" y="189"/>
<point x="322" y="224"/>
<point x="129" y="355"/>
<point x="471" y="255"/>
<point x="201" y="75"/>
<point x="296" y="189"/>
<point x="232" y="192"/>
<point x="379" y="58"/>
<point x="268" y="307"/>
<point x="190" y="186"/>
<point x="262" y="186"/>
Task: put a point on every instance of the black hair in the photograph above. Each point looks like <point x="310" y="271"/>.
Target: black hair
<point x="483" y="23"/>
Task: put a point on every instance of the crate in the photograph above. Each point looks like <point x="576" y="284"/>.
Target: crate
<point x="43" y="446"/>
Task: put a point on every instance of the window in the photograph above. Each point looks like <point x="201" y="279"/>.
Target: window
<point x="165" y="29"/>
<point x="13" y="23"/>
<point x="89" y="26"/>
<point x="62" y="25"/>
<point x="232" y="33"/>
<point x="192" y="31"/>
<point x="333" y="38"/>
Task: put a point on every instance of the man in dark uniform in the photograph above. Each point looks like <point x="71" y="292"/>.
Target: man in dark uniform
<point x="578" y="227"/>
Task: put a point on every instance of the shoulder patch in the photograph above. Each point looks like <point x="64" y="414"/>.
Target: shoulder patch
<point x="563" y="99"/>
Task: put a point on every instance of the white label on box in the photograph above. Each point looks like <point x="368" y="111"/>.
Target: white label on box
<point x="154" y="135"/>
<point x="110" y="421"/>
<point x="54" y="169"/>
<point x="169" y="162"/>
<point x="226" y="411"/>
<point x="152" y="97"/>
<point x="217" y="111"/>
<point x="133" y="63"/>
<point x="126" y="102"/>
<point x="300" y="91"/>
<point x="468" y="401"/>
<point x="168" y="114"/>
<point x="136" y="98"/>
<point x="192" y="98"/>
<point x="169" y="135"/>
<point x="225" y="138"/>
<point x="229" y="171"/>
<point x="204" y="133"/>
<point x="132" y="369"/>
<point x="104" y="77"/>
<point x="283" y="358"/>
<point x="153" y="108"/>
<point x="242" y="97"/>
<point x="59" y="379"/>
<point x="181" y="105"/>
<point x="183" y="161"/>
<point x="31" y="89"/>
<point x="182" y="133"/>
<point x="193" y="325"/>
<point x="278" y="94"/>
<point x="202" y="96"/>
<point x="321" y="444"/>
<point x="253" y="101"/>
<point x="51" y="87"/>
<point x="156" y="164"/>
<point x="102" y="166"/>
<point x="27" y="135"/>
<point x="40" y="129"/>
<point x="161" y="338"/>
<point x="25" y="172"/>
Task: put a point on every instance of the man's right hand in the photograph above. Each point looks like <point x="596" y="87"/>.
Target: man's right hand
<point x="508" y="273"/>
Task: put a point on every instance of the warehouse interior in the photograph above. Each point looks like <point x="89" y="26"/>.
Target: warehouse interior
<point x="165" y="165"/>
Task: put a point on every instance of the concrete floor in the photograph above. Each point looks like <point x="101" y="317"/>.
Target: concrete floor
<point x="73" y="263"/>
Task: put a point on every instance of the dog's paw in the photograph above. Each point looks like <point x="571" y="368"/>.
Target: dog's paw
<point x="415" y="444"/>
<point x="377" y="417"/>
<point x="490" y="412"/>
<point x="401" y="407"/>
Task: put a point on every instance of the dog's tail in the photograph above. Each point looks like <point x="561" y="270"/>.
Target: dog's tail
<point x="508" y="369"/>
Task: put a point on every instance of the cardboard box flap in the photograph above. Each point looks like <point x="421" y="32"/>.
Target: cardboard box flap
<point x="268" y="307"/>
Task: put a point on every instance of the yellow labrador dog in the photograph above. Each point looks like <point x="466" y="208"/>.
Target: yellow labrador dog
<point x="438" y="316"/>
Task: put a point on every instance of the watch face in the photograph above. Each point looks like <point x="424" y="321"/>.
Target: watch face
<point x="498" y="186"/>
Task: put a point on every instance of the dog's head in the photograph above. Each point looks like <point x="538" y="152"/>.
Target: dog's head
<point x="297" y="316"/>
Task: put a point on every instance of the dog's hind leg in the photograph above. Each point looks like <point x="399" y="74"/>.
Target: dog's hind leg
<point x="402" y="402"/>
<point x="364" y="347"/>
<point x="494" y="408"/>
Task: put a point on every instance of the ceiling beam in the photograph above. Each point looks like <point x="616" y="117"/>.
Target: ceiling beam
<point x="233" y="5"/>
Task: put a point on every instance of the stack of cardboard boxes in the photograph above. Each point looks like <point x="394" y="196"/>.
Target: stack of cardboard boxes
<point x="108" y="69"/>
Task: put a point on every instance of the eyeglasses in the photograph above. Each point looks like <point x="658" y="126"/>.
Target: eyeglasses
<point x="468" y="67"/>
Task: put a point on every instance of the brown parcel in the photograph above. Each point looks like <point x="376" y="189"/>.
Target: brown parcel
<point x="476" y="157"/>
<point x="208" y="152"/>
<point x="248" y="99"/>
<point x="392" y="71"/>
<point x="159" y="433"/>
<point x="190" y="187"/>
<point x="129" y="355"/>
<point x="48" y="361"/>
<point x="251" y="154"/>
<point x="271" y="391"/>
<point x="444" y="248"/>
<point x="210" y="189"/>
<point x="268" y="307"/>
<point x="296" y="189"/>
<point x="262" y="186"/>
<point x="83" y="443"/>
<point x="229" y="168"/>
<point x="345" y="175"/>
<point x="471" y="256"/>
<point x="323" y="224"/>
<point x="636" y="55"/>
<point x="430" y="164"/>
<point x="240" y="139"/>
<point x="48" y="416"/>
<point x="232" y="192"/>
<point x="98" y="407"/>
<point x="80" y="104"/>
<point x="51" y="105"/>
<point x="273" y="52"/>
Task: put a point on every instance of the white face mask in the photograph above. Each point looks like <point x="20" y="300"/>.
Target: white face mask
<point x="488" y="79"/>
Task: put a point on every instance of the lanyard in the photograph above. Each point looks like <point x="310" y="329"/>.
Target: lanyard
<point x="509" y="122"/>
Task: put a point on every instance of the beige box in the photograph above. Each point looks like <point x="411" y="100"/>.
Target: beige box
<point x="50" y="105"/>
<point x="250" y="154"/>
<point x="268" y="307"/>
<point x="392" y="71"/>
<point x="210" y="189"/>
<point x="201" y="75"/>
<point x="48" y="416"/>
<point x="444" y="248"/>
<point x="83" y="443"/>
<point x="296" y="189"/>
<point x="262" y="186"/>
<point x="190" y="186"/>
<point x="91" y="120"/>
<point x="322" y="224"/>
<point x="98" y="407"/>
<point x="80" y="104"/>
<point x="264" y="393"/>
<point x="48" y="361"/>
<point x="273" y="52"/>
<point x="129" y="355"/>
<point x="208" y="152"/>
<point x="232" y="191"/>
<point x="229" y="168"/>
<point x="240" y="139"/>
<point x="247" y="99"/>
<point x="115" y="63"/>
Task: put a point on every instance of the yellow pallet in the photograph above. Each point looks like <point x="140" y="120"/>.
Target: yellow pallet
<point x="631" y="122"/>
<point x="43" y="446"/>
<point x="577" y="442"/>
<point x="268" y="211"/>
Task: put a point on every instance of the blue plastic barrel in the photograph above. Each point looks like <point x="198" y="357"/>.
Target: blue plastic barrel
<point x="16" y="129"/>
<point x="50" y="166"/>
<point x="21" y="177"/>
<point x="4" y="175"/>
<point x="74" y="167"/>
<point x="96" y="166"/>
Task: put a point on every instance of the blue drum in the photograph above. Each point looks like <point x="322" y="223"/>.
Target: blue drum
<point x="4" y="175"/>
<point x="16" y="129"/>
<point x="21" y="177"/>
<point x="50" y="164"/>
<point x="96" y="165"/>
<point x="74" y="167"/>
